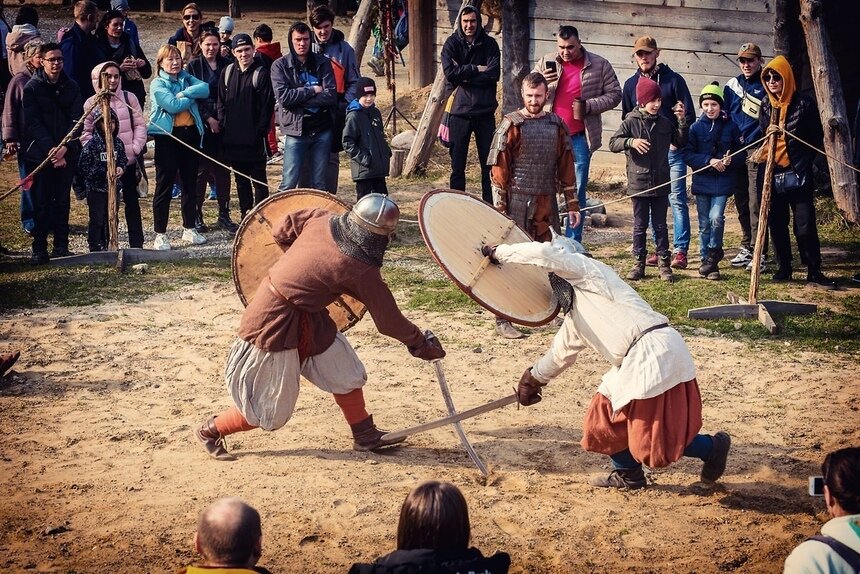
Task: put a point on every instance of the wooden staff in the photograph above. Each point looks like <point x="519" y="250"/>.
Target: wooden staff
<point x="113" y="208"/>
<point x="764" y="211"/>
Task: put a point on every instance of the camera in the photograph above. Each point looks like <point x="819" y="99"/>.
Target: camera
<point x="816" y="486"/>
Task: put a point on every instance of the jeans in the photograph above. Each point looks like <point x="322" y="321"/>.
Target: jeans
<point x="461" y="128"/>
<point x="712" y="221"/>
<point x="700" y="448"/>
<point x="653" y="208"/>
<point x="582" y="161"/>
<point x="28" y="212"/>
<point x="331" y="174"/>
<point x="315" y="150"/>
<point x="678" y="201"/>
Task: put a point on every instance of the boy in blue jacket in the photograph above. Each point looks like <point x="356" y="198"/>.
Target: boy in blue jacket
<point x="712" y="140"/>
<point x="364" y="141"/>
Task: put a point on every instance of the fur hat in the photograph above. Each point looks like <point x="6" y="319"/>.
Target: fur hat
<point x="647" y="90"/>
<point x="712" y="92"/>
<point x="364" y="86"/>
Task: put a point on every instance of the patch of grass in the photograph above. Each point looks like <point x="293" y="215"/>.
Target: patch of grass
<point x="418" y="293"/>
<point x="25" y="287"/>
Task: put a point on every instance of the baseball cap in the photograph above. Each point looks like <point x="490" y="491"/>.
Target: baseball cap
<point x="749" y="50"/>
<point x="241" y="40"/>
<point x="646" y="44"/>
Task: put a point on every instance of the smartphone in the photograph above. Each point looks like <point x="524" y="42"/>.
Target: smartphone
<point x="550" y="66"/>
<point x="816" y="486"/>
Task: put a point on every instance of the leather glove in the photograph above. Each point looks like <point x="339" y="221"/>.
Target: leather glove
<point x="428" y="350"/>
<point x="490" y="251"/>
<point x="529" y="389"/>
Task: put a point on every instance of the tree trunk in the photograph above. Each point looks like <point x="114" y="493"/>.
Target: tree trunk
<point x="361" y="26"/>
<point x="162" y="6"/>
<point x="420" y="44"/>
<point x="515" y="51"/>
<point x="234" y="9"/>
<point x="831" y="107"/>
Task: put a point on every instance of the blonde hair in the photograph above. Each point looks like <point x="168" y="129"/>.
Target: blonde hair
<point x="85" y="8"/>
<point x="163" y="52"/>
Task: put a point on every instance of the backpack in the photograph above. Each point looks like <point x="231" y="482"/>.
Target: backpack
<point x="255" y="79"/>
<point x="401" y="29"/>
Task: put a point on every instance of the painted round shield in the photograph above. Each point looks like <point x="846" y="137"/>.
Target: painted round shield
<point x="455" y="225"/>
<point x="255" y="250"/>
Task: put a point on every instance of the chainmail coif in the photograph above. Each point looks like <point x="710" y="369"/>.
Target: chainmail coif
<point x="563" y="292"/>
<point x="358" y="243"/>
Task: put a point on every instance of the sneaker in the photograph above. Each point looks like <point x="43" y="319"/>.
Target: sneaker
<point x="651" y="260"/>
<point x="715" y="466"/>
<point x="680" y="260"/>
<point x="177" y="191"/>
<point x="743" y="257"/>
<point x="161" y="242"/>
<point x="193" y="237"/>
<point x="818" y="280"/>
<point x="761" y="268"/>
<point x="60" y="253"/>
<point x="40" y="258"/>
<point x="199" y="225"/>
<point x="627" y="479"/>
<point x="276" y="158"/>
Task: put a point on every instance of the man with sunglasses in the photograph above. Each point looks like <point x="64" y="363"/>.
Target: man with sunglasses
<point x="582" y="85"/>
<point x="743" y="95"/>
<point x="674" y="89"/>
<point x="81" y="51"/>
<point x="187" y="38"/>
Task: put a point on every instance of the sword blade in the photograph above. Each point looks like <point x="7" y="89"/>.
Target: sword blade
<point x="461" y="416"/>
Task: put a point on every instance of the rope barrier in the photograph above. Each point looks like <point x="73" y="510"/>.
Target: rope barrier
<point x="822" y="152"/>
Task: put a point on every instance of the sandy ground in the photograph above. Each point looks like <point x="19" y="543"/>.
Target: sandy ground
<point x="99" y="470"/>
<point x="99" y="466"/>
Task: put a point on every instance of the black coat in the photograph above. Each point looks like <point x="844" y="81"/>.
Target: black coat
<point x="803" y="121"/>
<point x="476" y="91"/>
<point x="117" y="55"/>
<point x="364" y="142"/>
<point x="245" y="110"/>
<point x="50" y="112"/>
<point x="427" y="561"/>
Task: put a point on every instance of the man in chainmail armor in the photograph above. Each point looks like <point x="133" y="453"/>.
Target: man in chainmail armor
<point x="531" y="161"/>
<point x="286" y="331"/>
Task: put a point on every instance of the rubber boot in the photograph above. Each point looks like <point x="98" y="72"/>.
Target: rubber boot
<point x="213" y="441"/>
<point x="368" y="437"/>
<point x="665" y="267"/>
<point x="637" y="272"/>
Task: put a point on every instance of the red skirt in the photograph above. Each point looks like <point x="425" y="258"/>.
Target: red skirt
<point x="656" y="430"/>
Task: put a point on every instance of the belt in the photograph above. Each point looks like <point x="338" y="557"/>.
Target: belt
<point x="643" y="333"/>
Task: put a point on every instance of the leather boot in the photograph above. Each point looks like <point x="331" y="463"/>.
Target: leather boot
<point x="710" y="265"/>
<point x="637" y="272"/>
<point x="368" y="437"/>
<point x="665" y="267"/>
<point x="632" y="479"/>
<point x="213" y="441"/>
<point x="715" y="466"/>
<point x="506" y="330"/>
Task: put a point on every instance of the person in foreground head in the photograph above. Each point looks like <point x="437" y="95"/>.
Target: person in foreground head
<point x="648" y="409"/>
<point x="433" y="536"/>
<point x="286" y="331"/>
<point x="229" y="538"/>
<point x="837" y="549"/>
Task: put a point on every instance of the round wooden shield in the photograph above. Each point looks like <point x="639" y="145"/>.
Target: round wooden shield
<point x="455" y="225"/>
<point x="255" y="250"/>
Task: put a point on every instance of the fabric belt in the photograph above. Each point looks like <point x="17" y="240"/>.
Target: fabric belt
<point x="643" y="333"/>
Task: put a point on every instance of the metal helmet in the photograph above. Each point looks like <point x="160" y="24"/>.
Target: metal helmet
<point x="375" y="213"/>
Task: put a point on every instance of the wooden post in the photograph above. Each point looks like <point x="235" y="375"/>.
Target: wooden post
<point x="515" y="52"/>
<point x="764" y="211"/>
<point x="113" y="211"/>
<point x="162" y="6"/>
<point x="420" y="43"/>
<point x="395" y="166"/>
<point x="831" y="107"/>
<point x="233" y="9"/>
<point x="359" y="34"/>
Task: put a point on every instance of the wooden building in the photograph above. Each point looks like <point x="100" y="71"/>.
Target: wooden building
<point x="698" y="39"/>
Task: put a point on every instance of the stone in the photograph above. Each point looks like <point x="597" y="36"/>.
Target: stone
<point x="403" y="140"/>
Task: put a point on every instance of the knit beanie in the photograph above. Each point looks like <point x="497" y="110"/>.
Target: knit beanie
<point x="364" y="86"/>
<point x="119" y="5"/>
<point x="226" y="24"/>
<point x="712" y="92"/>
<point x="647" y="90"/>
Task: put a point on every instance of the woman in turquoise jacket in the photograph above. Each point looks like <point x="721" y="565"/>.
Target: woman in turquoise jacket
<point x="175" y="124"/>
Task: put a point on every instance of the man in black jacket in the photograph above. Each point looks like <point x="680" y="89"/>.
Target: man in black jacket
<point x="52" y="105"/>
<point x="471" y="63"/>
<point x="245" y="106"/>
<point x="80" y="48"/>
<point x="674" y="89"/>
